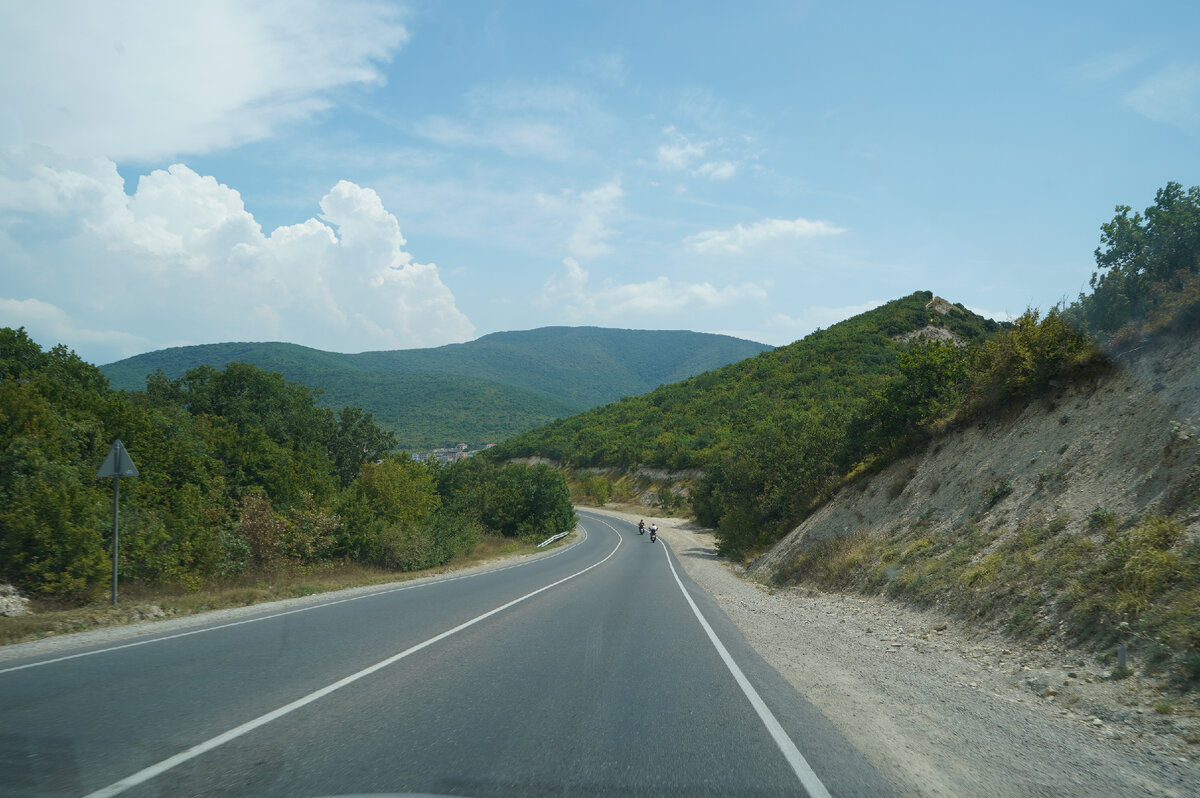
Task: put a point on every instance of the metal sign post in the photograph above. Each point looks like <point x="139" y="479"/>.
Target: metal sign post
<point x="118" y="464"/>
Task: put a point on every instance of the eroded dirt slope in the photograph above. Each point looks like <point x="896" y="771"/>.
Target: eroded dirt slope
<point x="1121" y="444"/>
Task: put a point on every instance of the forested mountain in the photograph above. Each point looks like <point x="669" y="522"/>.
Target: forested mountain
<point x="478" y="392"/>
<point x="771" y="431"/>
<point x="685" y="425"/>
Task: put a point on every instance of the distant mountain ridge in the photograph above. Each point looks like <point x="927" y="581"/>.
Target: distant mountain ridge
<point x="477" y="392"/>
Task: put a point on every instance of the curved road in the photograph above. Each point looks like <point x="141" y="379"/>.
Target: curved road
<point x="599" y="670"/>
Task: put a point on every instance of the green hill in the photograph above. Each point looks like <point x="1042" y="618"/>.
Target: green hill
<point x="830" y="373"/>
<point x="773" y="432"/>
<point x="477" y="392"/>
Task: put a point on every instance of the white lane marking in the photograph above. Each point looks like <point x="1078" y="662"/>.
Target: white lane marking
<point x="144" y="775"/>
<point x="808" y="779"/>
<point x="286" y="612"/>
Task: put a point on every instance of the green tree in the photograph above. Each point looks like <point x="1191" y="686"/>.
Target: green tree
<point x="354" y="439"/>
<point x="397" y="494"/>
<point x="268" y="433"/>
<point x="52" y="538"/>
<point x="528" y="502"/>
<point x="1138" y="252"/>
<point x="932" y="379"/>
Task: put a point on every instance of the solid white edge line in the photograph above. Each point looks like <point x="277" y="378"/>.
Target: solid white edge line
<point x="144" y="775"/>
<point x="804" y="772"/>
<point x="258" y="618"/>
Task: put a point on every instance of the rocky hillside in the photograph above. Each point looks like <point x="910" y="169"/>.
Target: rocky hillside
<point x="1038" y="520"/>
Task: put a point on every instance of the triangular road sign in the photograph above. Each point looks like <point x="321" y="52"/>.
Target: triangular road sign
<point x="118" y="463"/>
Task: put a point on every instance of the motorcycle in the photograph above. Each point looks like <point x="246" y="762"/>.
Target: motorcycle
<point x="653" y="534"/>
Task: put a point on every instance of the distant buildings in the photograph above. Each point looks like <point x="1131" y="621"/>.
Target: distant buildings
<point x="449" y="455"/>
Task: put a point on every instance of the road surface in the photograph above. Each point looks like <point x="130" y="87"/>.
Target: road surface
<point x="599" y="670"/>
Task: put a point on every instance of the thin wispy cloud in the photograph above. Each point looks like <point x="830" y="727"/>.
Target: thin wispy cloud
<point x="679" y="153"/>
<point x="609" y="67"/>
<point x="539" y="120"/>
<point x="716" y="170"/>
<point x="643" y="303"/>
<point x="740" y="238"/>
<point x="1171" y="95"/>
<point x="597" y="207"/>
<point x="524" y="138"/>
<point x="779" y="329"/>
<point x="1110" y="65"/>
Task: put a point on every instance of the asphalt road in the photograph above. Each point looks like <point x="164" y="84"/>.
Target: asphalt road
<point x="600" y="670"/>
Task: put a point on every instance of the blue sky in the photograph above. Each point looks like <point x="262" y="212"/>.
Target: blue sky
<point x="368" y="175"/>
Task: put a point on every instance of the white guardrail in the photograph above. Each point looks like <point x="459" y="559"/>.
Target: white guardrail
<point x="548" y="541"/>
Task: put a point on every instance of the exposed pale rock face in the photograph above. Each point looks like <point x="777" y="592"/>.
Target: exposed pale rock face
<point x="939" y="305"/>
<point x="12" y="603"/>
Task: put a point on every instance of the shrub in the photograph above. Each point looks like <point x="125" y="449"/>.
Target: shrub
<point x="1022" y="360"/>
<point x="997" y="492"/>
<point x="1101" y="519"/>
<point x="260" y="528"/>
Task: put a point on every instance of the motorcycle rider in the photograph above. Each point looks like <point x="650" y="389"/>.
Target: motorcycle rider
<point x="653" y="532"/>
<point x="641" y="527"/>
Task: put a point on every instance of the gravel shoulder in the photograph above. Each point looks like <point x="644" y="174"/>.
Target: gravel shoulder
<point x="944" y="710"/>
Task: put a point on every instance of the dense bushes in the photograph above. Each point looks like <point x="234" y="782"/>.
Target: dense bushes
<point x="514" y="500"/>
<point x="239" y="471"/>
<point x="1023" y="360"/>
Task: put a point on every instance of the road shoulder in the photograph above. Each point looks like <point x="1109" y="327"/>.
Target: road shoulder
<point x="167" y="625"/>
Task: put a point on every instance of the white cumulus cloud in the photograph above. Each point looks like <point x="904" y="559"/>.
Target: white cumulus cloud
<point x="145" y="79"/>
<point x="742" y="237"/>
<point x="181" y="261"/>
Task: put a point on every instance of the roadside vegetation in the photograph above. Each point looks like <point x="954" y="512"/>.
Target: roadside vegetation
<point x="1136" y="582"/>
<point x="143" y="602"/>
<point x="244" y="478"/>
